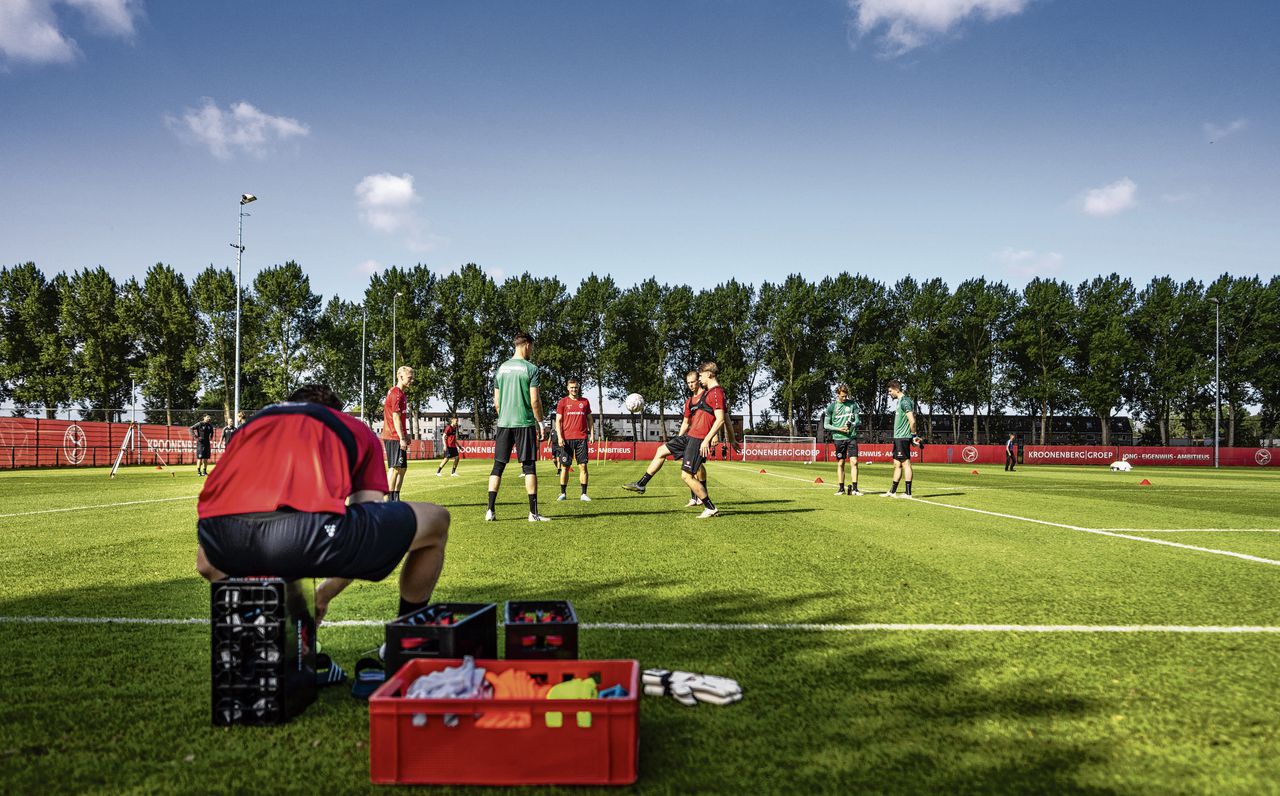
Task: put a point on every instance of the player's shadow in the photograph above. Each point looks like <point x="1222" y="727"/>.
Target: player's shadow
<point x="942" y="494"/>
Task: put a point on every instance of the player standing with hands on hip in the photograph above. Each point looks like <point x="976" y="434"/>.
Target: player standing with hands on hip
<point x="517" y="398"/>
<point x="904" y="434"/>
<point x="395" y="431"/>
<point x="842" y="421"/>
<point x="574" y="432"/>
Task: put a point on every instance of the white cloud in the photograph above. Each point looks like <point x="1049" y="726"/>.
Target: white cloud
<point x="1214" y="132"/>
<point x="241" y="128"/>
<point x="908" y="24"/>
<point x="1111" y="199"/>
<point x="31" y="30"/>
<point x="390" y="204"/>
<point x="1027" y="263"/>
<point x="369" y="267"/>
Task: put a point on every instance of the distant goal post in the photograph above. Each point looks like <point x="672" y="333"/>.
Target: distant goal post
<point x="779" y="449"/>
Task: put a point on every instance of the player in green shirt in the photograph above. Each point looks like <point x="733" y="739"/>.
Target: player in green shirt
<point x="516" y="397"/>
<point x="841" y="421"/>
<point x="904" y="434"/>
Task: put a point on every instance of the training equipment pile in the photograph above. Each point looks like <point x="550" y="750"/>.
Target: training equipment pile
<point x="689" y="689"/>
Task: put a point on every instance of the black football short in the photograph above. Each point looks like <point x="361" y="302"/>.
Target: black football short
<point x="523" y="439"/>
<point x="692" y="458"/>
<point x="846" y="449"/>
<point x="397" y="458"/>
<point x="451" y="453"/>
<point x="367" y="542"/>
<point x="573" y="449"/>
<point x="203" y="450"/>
<point x="902" y="449"/>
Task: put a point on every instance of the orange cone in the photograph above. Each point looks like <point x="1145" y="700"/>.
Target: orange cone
<point x="975" y="472"/>
<point x="818" y="480"/>
<point x="762" y="472"/>
<point x="1144" y="482"/>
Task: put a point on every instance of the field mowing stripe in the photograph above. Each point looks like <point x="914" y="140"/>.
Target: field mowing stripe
<point x="1164" y="542"/>
<point x="729" y="626"/>
<point x="98" y="506"/>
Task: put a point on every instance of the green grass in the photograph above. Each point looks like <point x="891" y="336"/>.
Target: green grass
<point x="125" y="708"/>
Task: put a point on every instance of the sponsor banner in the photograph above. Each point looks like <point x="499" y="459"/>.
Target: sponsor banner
<point x="1202" y="457"/>
<point x="1069" y="454"/>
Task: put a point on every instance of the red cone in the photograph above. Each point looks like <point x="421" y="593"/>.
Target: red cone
<point x="818" y="480"/>
<point x="975" y="472"/>
<point x="1144" y="482"/>
<point x="762" y="472"/>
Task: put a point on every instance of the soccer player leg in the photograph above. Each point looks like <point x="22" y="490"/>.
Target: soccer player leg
<point x="425" y="559"/>
<point x="690" y="463"/>
<point x="208" y="571"/>
<point x="841" y="452"/>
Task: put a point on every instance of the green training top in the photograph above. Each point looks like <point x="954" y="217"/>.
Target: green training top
<point x="512" y="381"/>
<point x="839" y="415"/>
<point x="901" y="425"/>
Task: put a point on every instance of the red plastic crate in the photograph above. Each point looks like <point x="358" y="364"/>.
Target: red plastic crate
<point x="606" y="753"/>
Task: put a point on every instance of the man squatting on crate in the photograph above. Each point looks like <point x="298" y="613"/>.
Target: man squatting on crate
<point x="298" y="494"/>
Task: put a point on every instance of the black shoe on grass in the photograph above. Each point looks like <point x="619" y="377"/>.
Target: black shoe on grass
<point x="634" y="488"/>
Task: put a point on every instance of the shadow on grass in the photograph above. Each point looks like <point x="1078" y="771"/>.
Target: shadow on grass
<point x="823" y="713"/>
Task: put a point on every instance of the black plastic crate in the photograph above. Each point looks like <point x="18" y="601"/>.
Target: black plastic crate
<point x="263" y="649"/>
<point x="443" y="630"/>
<point x="552" y="633"/>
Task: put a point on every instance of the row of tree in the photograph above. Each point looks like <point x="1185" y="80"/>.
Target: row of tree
<point x="1096" y="348"/>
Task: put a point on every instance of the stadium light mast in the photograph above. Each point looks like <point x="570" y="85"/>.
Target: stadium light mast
<point x="1217" y="379"/>
<point x="245" y="198"/>
<point x="394" y="299"/>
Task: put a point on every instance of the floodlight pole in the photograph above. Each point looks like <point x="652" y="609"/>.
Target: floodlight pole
<point x="1217" y="378"/>
<point x="364" y="318"/>
<point x="239" y="247"/>
<point x="394" y="299"/>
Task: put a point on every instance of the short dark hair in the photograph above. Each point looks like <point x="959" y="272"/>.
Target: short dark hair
<point x="316" y="394"/>
<point x="522" y="338"/>
<point x="894" y="384"/>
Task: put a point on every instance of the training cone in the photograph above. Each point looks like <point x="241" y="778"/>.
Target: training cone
<point x="762" y="472"/>
<point x="1144" y="482"/>
<point x="975" y="472"/>
<point x="818" y="480"/>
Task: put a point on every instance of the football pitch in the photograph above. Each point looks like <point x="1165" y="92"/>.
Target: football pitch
<point x="1054" y="630"/>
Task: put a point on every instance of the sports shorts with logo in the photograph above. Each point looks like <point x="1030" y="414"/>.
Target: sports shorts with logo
<point x="846" y="449"/>
<point x="397" y="458"/>
<point x="573" y="449"/>
<point x="902" y="449"/>
<point x="523" y="439"/>
<point x="692" y="458"/>
<point x="367" y="542"/>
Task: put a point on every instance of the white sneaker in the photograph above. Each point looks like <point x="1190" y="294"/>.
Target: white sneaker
<point x="562" y="496"/>
<point x="887" y="494"/>
<point x="839" y="492"/>
<point x="538" y="518"/>
<point x="902" y="496"/>
<point x="693" y="502"/>
<point x="489" y="516"/>
<point x="854" y="493"/>
<point x="453" y="475"/>
<point x="708" y="513"/>
<point x="438" y="475"/>
<point x="583" y="497"/>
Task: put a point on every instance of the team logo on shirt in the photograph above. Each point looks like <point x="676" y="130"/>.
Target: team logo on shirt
<point x="969" y="454"/>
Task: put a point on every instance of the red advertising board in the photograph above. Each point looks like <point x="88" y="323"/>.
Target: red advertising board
<point x="1153" y="456"/>
<point x="1069" y="454"/>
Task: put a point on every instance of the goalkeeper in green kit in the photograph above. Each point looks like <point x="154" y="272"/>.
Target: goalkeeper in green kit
<point x="841" y="422"/>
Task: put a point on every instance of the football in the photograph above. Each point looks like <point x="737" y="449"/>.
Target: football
<point x="634" y="402"/>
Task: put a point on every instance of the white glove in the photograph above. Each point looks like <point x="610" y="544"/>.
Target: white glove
<point x="689" y="689"/>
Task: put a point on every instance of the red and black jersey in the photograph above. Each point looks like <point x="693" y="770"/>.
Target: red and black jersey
<point x="575" y="417"/>
<point x="395" y="402"/>
<point x="450" y="436"/>
<point x="703" y="414"/>
<point x="302" y="456"/>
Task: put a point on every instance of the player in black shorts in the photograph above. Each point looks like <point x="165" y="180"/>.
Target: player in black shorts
<point x="202" y="433"/>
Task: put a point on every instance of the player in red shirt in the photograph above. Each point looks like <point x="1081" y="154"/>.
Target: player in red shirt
<point x="676" y="445"/>
<point x="708" y="419"/>
<point x="395" y="431"/>
<point x="575" y="433"/>
<point x="298" y="494"/>
<point x="450" y="447"/>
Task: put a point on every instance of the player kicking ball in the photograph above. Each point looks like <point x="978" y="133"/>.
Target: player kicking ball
<point x="676" y="445"/>
<point x="904" y="435"/>
<point x="842" y="421"/>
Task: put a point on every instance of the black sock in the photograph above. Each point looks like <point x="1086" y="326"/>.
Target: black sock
<point x="693" y="494"/>
<point x="493" y="497"/>
<point x="894" y="488"/>
<point x="584" y="488"/>
<point x="563" y="487"/>
<point x="841" y="489"/>
<point x="706" y="501"/>
<point x="644" y="479"/>
<point x="533" y="503"/>
<point x="908" y="487"/>
<point x="853" y="487"/>
<point x="455" y="468"/>
<point x="705" y="490"/>
<point x="407" y="607"/>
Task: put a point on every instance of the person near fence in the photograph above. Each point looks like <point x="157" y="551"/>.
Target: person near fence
<point x="1011" y="452"/>
<point x="450" y="447"/>
<point x="202" y="433"/>
<point x="904" y="436"/>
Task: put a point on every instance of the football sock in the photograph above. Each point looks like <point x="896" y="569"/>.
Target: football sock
<point x="644" y="479"/>
<point x="438" y="469"/>
<point x="493" y="497"/>
<point x="841" y="489"/>
<point x="584" y="488"/>
<point x="706" y="503"/>
<point x="455" y="468"/>
<point x="563" y="487"/>
<point x="533" y="503"/>
<point x="853" y="487"/>
<point x="407" y="607"/>
<point x="908" y="487"/>
<point x="893" y="488"/>
<point x="705" y="489"/>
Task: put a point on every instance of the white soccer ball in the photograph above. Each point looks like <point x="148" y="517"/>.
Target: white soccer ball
<point x="1121" y="467"/>
<point x="634" y="402"/>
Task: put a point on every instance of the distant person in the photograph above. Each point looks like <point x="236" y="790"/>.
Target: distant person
<point x="517" y="399"/>
<point x="450" y="447"/>
<point x="395" y="431"/>
<point x="841" y="422"/>
<point x="202" y="433"/>
<point x="230" y="429"/>
<point x="300" y="496"/>
<point x="904" y="435"/>
<point x="1011" y="453"/>
<point x="553" y="443"/>
<point x="574" y="432"/>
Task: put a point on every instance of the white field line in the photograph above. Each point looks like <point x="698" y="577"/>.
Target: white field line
<point x="732" y="626"/>
<point x="97" y="506"/>
<point x="1164" y="542"/>
<point x="1193" y="530"/>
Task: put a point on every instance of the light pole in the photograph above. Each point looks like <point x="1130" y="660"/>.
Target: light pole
<point x="364" y="319"/>
<point x="394" y="299"/>
<point x="245" y="199"/>
<point x="1217" y="379"/>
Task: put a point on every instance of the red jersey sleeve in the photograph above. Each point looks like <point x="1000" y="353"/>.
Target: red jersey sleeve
<point x="371" y="467"/>
<point x="561" y="408"/>
<point x="715" y="399"/>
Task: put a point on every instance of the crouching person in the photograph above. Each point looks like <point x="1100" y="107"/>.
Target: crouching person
<point x="298" y="494"/>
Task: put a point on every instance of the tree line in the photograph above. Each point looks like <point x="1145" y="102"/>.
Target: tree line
<point x="1096" y="348"/>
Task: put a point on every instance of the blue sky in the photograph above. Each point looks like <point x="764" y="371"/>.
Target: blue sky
<point x="691" y="141"/>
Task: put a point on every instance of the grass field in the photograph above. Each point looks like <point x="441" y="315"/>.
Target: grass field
<point x="1053" y="630"/>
